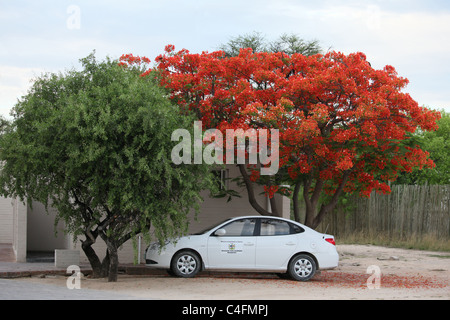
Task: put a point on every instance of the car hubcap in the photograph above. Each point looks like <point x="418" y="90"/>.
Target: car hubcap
<point x="303" y="268"/>
<point x="186" y="264"/>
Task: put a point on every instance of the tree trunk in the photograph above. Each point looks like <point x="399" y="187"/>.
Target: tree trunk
<point x="310" y="213"/>
<point x="274" y="207"/>
<point x="296" y="205"/>
<point x="312" y="219"/>
<point x="312" y="200"/>
<point x="105" y="265"/>
<point x="94" y="260"/>
<point x="113" y="261"/>
<point x="251" y="195"/>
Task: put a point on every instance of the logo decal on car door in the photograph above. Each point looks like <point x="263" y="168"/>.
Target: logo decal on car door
<point x="231" y="247"/>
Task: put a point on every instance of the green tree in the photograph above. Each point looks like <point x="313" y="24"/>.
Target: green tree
<point x="287" y="43"/>
<point x="437" y="143"/>
<point x="96" y="145"/>
<point x="292" y="43"/>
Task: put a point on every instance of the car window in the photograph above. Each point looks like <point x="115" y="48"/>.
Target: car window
<point x="242" y="227"/>
<point x="275" y="227"/>
<point x="204" y="230"/>
<point x="296" y="229"/>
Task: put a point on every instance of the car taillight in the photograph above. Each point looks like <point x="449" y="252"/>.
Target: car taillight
<point x="331" y="240"/>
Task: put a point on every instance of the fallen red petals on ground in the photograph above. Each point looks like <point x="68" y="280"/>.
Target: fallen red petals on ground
<point x="358" y="280"/>
<point x="343" y="279"/>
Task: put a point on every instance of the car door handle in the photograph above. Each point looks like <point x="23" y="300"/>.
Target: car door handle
<point x="249" y="244"/>
<point x="290" y="244"/>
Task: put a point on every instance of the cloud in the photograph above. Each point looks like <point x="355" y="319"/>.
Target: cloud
<point x="14" y="83"/>
<point x="410" y="35"/>
<point x="406" y="35"/>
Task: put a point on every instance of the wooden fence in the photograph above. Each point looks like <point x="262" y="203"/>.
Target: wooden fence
<point x="409" y="211"/>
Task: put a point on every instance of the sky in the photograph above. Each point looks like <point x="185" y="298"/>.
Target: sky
<point x="51" y="36"/>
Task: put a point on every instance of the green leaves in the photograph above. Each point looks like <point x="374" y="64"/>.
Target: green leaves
<point x="97" y="142"/>
<point x="287" y="43"/>
<point x="437" y="144"/>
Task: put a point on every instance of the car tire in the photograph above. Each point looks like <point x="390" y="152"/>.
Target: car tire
<point x="185" y="264"/>
<point x="302" y="267"/>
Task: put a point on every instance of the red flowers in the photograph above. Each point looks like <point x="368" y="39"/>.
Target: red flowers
<point x="334" y="112"/>
<point x="129" y="59"/>
<point x="270" y="190"/>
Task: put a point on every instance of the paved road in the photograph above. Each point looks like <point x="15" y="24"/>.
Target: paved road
<point x="24" y="290"/>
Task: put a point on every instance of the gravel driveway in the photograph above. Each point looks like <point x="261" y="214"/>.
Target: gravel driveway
<point x="403" y="274"/>
<point x="27" y="290"/>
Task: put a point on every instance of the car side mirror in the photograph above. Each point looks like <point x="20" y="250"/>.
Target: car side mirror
<point x="220" y="232"/>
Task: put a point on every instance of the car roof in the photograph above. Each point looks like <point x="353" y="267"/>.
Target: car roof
<point x="258" y="216"/>
<point x="261" y="216"/>
<point x="267" y="217"/>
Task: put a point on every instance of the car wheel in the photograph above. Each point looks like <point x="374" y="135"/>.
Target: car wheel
<point x="185" y="264"/>
<point x="302" y="267"/>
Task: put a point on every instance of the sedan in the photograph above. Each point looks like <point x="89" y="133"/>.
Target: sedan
<point x="250" y="243"/>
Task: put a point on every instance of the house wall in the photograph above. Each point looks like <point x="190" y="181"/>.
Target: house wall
<point x="41" y="234"/>
<point x="19" y="230"/>
<point x="6" y="220"/>
<point x="29" y="228"/>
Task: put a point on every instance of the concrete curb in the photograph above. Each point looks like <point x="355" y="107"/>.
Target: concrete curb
<point x="134" y="270"/>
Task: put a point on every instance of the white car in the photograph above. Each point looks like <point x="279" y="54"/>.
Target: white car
<point x="250" y="243"/>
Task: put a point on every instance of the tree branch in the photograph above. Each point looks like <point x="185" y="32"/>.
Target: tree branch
<point x="334" y="200"/>
<point x="251" y="192"/>
<point x="297" y="187"/>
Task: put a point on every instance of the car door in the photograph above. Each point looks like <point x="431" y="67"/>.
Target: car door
<point x="235" y="249"/>
<point x="276" y="243"/>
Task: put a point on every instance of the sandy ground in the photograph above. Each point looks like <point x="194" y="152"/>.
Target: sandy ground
<point x="403" y="274"/>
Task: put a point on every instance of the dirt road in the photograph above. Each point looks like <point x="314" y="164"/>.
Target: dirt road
<point x="365" y="272"/>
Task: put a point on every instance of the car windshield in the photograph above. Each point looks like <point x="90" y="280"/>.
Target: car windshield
<point x="203" y="231"/>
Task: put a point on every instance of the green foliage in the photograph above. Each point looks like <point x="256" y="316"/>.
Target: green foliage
<point x="96" y="145"/>
<point x="256" y="41"/>
<point x="437" y="143"/>
<point x="292" y="43"/>
<point x="287" y="43"/>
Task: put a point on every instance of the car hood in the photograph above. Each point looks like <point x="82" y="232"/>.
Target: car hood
<point x="175" y="242"/>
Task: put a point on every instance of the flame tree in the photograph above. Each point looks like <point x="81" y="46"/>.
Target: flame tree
<point x="343" y="125"/>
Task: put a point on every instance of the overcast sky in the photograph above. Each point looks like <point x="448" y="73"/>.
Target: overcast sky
<point x="51" y="36"/>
